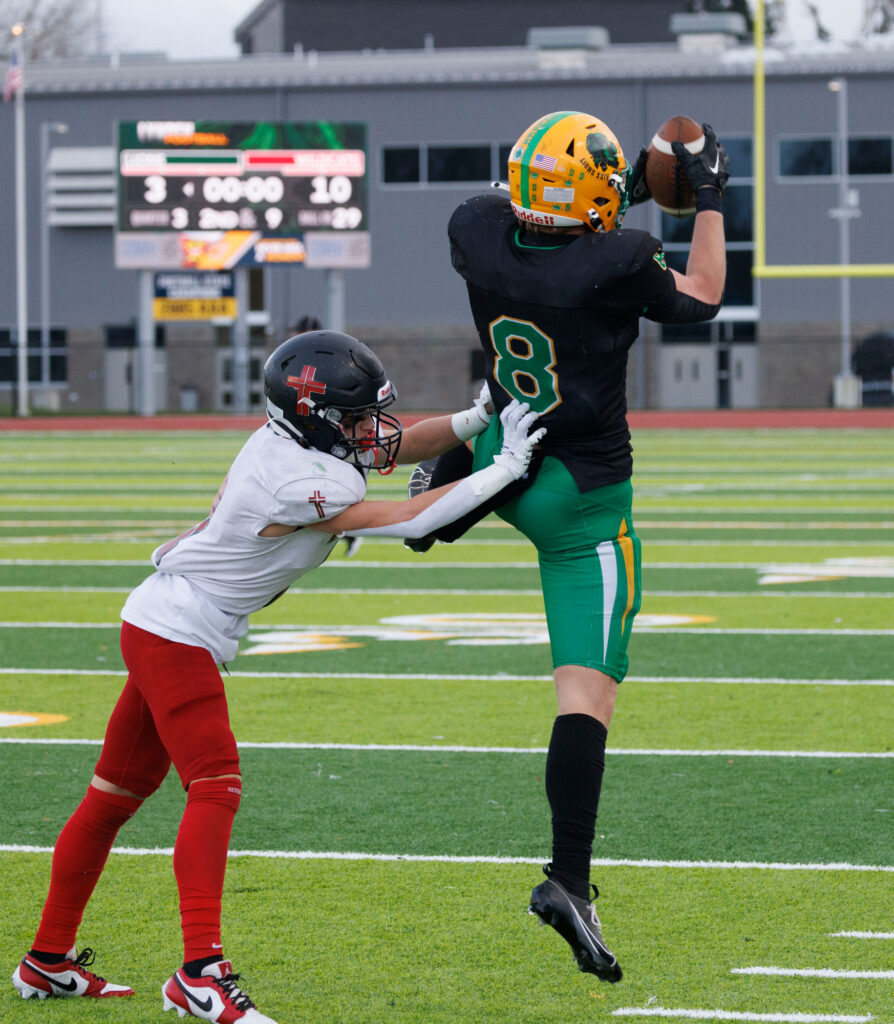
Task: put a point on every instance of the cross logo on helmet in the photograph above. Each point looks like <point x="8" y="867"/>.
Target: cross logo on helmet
<point x="306" y="386"/>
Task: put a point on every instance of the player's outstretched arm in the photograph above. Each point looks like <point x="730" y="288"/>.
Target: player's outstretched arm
<point x="707" y="172"/>
<point x="433" y="509"/>
<point x="438" y="434"/>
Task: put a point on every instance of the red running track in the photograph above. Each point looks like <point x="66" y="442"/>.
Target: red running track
<point x="700" y="419"/>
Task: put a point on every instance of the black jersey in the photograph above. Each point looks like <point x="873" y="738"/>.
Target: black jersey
<point x="556" y="316"/>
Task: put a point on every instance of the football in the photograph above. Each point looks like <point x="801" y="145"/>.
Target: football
<point x="665" y="176"/>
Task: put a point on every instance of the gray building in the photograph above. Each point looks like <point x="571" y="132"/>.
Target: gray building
<point x="439" y="125"/>
<point x="281" y="26"/>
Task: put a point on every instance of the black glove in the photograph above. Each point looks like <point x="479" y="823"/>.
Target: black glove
<point x="708" y="169"/>
<point x="637" y="189"/>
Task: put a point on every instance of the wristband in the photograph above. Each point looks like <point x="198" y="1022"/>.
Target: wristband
<point x="467" y="424"/>
<point x="708" y="198"/>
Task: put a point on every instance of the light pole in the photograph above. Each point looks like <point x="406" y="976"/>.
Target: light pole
<point x="848" y="208"/>
<point x="45" y="128"/>
<point x="21" y="228"/>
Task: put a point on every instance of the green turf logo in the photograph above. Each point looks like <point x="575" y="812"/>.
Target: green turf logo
<point x="485" y="629"/>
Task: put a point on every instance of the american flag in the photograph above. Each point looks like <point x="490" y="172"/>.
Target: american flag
<point x="14" y="78"/>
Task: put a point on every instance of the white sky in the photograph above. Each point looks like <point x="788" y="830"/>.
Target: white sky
<point x="204" y="28"/>
<point x="181" y="28"/>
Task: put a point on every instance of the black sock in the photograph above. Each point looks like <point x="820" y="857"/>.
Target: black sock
<point x="47" y="958"/>
<point x="574" y="766"/>
<point x="194" y="968"/>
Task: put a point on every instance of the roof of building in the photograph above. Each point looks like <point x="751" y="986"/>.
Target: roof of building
<point x="154" y="72"/>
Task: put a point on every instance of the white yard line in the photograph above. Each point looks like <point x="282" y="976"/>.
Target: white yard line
<point x="63" y="486"/>
<point x="235" y="673"/>
<point x="836" y="594"/>
<point x="861" y="935"/>
<point x="354" y="563"/>
<point x="168" y="851"/>
<point x="781" y="1018"/>
<point x="52" y="562"/>
<point x="333" y="628"/>
<point x="815" y="972"/>
<point x="447" y="591"/>
<point x="794" y="542"/>
<point x="435" y="748"/>
<point x="397" y="592"/>
<point x="119" y="523"/>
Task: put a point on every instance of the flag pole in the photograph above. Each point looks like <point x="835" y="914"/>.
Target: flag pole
<point x="21" y="255"/>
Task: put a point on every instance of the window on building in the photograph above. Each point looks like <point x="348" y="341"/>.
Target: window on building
<point x="819" y="157"/>
<point x="400" y="165"/>
<point x="805" y="158"/>
<point x="869" y="156"/>
<point x="46" y="364"/>
<point x="444" y="165"/>
<point x="740" y="156"/>
<point x="125" y="335"/>
<point x="458" y="163"/>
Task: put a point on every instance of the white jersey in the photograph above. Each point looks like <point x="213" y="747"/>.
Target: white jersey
<point x="211" y="578"/>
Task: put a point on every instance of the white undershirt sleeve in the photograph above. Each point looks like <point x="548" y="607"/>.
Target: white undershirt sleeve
<point x="467" y="495"/>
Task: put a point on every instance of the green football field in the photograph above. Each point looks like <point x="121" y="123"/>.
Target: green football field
<point x="393" y="714"/>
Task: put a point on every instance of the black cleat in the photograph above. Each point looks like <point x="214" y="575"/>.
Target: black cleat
<point x="420" y="478"/>
<point x="576" y="921"/>
<point x="419" y="483"/>
<point x="352" y="545"/>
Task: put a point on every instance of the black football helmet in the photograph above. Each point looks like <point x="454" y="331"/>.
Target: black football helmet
<point x="319" y="384"/>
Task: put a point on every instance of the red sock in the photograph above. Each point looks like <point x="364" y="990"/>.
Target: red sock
<point x="78" y="859"/>
<point x="200" y="862"/>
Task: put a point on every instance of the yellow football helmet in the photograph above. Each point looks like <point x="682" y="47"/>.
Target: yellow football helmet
<point x="568" y="169"/>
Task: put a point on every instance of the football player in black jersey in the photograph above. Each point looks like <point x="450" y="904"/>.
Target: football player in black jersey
<point x="556" y="289"/>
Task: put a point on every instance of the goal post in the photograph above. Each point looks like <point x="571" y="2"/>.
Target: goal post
<point x="761" y="268"/>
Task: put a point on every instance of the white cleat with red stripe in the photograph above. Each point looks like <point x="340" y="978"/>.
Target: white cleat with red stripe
<point x="64" y="980"/>
<point x="215" y="996"/>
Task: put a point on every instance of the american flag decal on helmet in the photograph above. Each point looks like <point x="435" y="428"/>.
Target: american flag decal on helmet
<point x="548" y="163"/>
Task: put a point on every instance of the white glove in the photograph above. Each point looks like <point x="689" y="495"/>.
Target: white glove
<point x="471" y="422"/>
<point x="518" y="444"/>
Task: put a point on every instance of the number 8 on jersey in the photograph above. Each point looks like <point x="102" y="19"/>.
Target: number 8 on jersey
<point x="525" y="358"/>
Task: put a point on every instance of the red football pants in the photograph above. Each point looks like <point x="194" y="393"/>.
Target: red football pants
<point x="172" y="708"/>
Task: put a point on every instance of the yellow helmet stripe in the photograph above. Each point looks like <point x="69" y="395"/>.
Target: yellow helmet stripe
<point x="527" y="156"/>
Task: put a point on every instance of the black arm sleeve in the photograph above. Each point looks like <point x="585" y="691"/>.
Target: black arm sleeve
<point x="680" y="308"/>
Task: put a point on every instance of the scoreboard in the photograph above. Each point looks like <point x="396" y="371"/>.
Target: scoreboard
<point x="241" y="193"/>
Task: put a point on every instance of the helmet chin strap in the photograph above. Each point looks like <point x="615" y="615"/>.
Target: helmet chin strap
<point x="293" y="432"/>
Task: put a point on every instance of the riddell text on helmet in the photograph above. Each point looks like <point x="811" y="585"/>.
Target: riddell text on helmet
<point x="533" y="216"/>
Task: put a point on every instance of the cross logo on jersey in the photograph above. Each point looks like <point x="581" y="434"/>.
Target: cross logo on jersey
<point x="318" y="501"/>
<point x="306" y="386"/>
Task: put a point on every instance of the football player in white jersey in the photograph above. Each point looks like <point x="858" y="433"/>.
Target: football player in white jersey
<point x="297" y="485"/>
